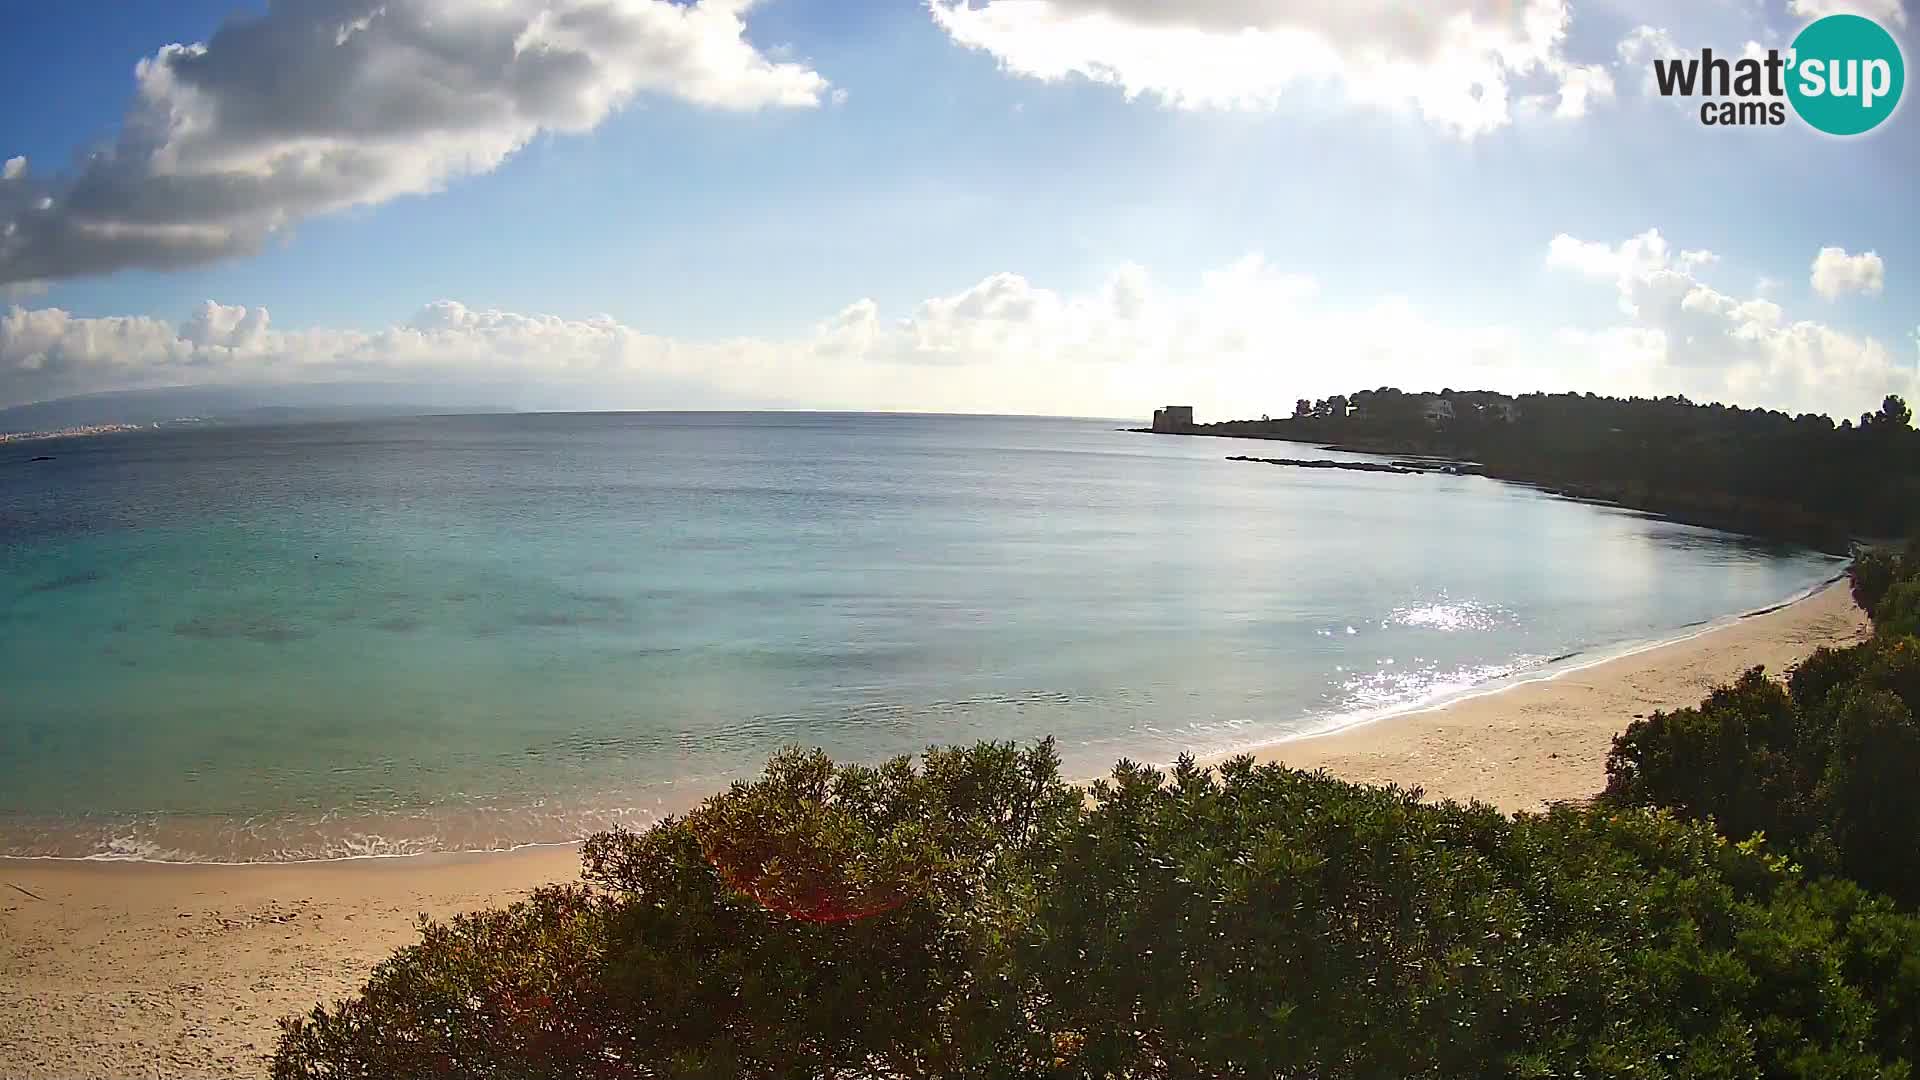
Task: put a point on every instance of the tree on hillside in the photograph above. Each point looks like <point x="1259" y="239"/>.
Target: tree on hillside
<point x="1894" y="415"/>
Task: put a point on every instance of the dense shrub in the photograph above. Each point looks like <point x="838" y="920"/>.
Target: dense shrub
<point x="1826" y="766"/>
<point x="820" y="921"/>
<point x="516" y="993"/>
<point x="1735" y="758"/>
<point x="1898" y="613"/>
<point x="976" y="916"/>
<point x="1870" y="792"/>
<point x="1872" y="573"/>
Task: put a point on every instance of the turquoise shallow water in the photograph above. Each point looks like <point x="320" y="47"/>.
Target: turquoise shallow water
<point x="476" y="632"/>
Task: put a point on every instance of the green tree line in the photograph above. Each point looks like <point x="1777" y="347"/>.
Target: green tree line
<point x="1753" y="470"/>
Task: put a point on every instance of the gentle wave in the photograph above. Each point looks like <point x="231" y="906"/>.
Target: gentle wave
<point x="162" y="838"/>
<point x="1392" y="690"/>
<point x="1520" y="674"/>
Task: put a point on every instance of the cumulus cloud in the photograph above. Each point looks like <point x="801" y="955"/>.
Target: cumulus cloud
<point x="1640" y="48"/>
<point x="1627" y="262"/>
<point x="319" y="106"/>
<point x="49" y="352"/>
<point x="1836" y="273"/>
<point x="1242" y="334"/>
<point x="1460" y="63"/>
<point x="1889" y="11"/>
<point x="1243" y="338"/>
<point x="1644" y="43"/>
<point x="1581" y="86"/>
<point x="220" y="326"/>
<point x="1687" y="336"/>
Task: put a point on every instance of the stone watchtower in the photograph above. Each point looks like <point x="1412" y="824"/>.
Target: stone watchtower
<point x="1173" y="418"/>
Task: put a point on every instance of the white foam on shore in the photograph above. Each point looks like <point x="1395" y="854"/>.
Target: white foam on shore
<point x="1557" y="668"/>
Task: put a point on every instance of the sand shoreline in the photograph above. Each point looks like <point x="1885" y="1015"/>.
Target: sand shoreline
<point x="154" y="969"/>
<point x="1536" y="742"/>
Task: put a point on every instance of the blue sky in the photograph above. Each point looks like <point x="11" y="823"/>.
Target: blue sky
<point x="1071" y="206"/>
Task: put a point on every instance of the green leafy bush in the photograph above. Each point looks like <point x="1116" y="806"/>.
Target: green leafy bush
<point x="817" y="921"/>
<point x="1872" y="573"/>
<point x="1826" y="766"/>
<point x="976" y="916"/>
<point x="1870" y="794"/>
<point x="1735" y="759"/>
<point x="1898" y="613"/>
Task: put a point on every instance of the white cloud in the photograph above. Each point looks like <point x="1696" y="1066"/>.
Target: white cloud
<point x="1460" y="63"/>
<point x="220" y="326"/>
<point x="1245" y="338"/>
<point x="1627" y="264"/>
<point x="1580" y="87"/>
<point x="1890" y="11"/>
<point x="1689" y="337"/>
<point x="1640" y="48"/>
<point x="315" y="107"/>
<point x="1247" y="335"/>
<point x="1836" y="273"/>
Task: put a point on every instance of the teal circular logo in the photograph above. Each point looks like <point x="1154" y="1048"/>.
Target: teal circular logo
<point x="1846" y="74"/>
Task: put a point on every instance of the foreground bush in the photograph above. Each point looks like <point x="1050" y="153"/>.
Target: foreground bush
<point x="1872" y="573"/>
<point x="1827" y="766"/>
<point x="976" y="916"/>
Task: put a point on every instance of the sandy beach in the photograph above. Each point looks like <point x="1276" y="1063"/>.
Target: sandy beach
<point x="1543" y="742"/>
<point x="119" y="970"/>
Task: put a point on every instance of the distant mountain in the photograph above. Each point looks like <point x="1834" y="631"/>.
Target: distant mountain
<point x="237" y="405"/>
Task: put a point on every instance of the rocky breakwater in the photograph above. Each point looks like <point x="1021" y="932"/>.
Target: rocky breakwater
<point x="1400" y="468"/>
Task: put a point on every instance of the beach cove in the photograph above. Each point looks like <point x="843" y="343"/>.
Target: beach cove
<point x="477" y="633"/>
<point x="116" y="969"/>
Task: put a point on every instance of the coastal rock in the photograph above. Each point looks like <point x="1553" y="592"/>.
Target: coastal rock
<point x="1398" y="468"/>
<point x="1350" y="466"/>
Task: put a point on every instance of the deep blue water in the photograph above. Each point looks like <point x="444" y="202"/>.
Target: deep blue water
<point x="474" y="632"/>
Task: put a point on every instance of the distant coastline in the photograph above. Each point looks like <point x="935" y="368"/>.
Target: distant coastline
<point x="1707" y="511"/>
<point x="1798" y="479"/>
<point x="81" y="431"/>
<point x="124" y="411"/>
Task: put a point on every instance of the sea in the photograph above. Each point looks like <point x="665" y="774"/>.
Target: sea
<point x="474" y="633"/>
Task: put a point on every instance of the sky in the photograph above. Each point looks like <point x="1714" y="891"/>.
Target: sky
<point x="1071" y="207"/>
